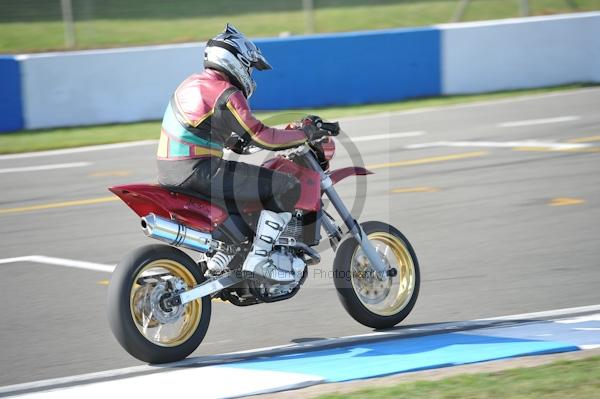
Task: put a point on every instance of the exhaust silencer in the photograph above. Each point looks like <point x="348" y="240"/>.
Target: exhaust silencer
<point x="175" y="234"/>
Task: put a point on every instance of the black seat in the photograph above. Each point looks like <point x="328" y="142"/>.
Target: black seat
<point x="195" y="194"/>
<point x="229" y="205"/>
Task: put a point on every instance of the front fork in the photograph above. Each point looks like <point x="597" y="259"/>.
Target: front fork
<point x="353" y="226"/>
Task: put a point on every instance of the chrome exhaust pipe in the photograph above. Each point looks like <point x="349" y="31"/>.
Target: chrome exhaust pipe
<point x="175" y="234"/>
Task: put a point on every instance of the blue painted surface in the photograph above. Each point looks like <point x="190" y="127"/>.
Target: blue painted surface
<point x="11" y="110"/>
<point x="350" y="68"/>
<point x="403" y="355"/>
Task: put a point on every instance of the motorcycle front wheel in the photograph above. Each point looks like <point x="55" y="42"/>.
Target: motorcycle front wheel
<point x="138" y="317"/>
<point x="374" y="301"/>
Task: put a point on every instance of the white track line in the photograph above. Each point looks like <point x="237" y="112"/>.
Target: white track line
<point x="532" y="122"/>
<point x="547" y="313"/>
<point x="78" y="150"/>
<point x="508" y="100"/>
<point x="45" y="167"/>
<point x="587" y="347"/>
<point x="48" y="260"/>
<point x="385" y="136"/>
<point x="109" y="374"/>
<point x="583" y="319"/>
<point x="15" y="260"/>
<point x="476" y="104"/>
<point x="502" y="144"/>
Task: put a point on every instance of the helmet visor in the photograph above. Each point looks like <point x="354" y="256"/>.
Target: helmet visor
<point x="261" y="63"/>
<point x="258" y="60"/>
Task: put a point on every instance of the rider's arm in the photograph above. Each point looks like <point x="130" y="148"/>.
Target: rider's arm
<point x="241" y="121"/>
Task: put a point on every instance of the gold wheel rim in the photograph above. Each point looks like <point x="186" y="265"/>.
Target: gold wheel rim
<point x="159" y="333"/>
<point x="384" y="297"/>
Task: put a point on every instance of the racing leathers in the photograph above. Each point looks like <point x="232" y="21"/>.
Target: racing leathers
<point x="198" y="124"/>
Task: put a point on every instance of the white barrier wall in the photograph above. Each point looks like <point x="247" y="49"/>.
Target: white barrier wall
<point x="520" y="53"/>
<point x="104" y="86"/>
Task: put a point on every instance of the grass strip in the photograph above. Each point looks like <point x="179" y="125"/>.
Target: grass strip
<point x="560" y="380"/>
<point x="36" y="25"/>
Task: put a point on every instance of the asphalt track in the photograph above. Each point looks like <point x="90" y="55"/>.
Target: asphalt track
<point x="506" y="225"/>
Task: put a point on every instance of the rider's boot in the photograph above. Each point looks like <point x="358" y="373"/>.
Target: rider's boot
<point x="269" y="228"/>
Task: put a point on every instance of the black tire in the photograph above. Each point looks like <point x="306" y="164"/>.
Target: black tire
<point x="120" y="315"/>
<point x="345" y="289"/>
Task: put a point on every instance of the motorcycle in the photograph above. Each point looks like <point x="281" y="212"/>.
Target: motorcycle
<point x="159" y="298"/>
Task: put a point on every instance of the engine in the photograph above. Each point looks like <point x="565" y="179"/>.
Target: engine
<point x="251" y="292"/>
<point x="285" y="260"/>
<point x="267" y="291"/>
<point x="294" y="228"/>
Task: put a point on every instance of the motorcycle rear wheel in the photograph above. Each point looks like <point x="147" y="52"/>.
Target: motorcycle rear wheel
<point x="138" y="319"/>
<point x="373" y="301"/>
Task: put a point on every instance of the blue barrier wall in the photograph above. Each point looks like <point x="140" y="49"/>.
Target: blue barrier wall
<point x="11" y="110"/>
<point x="350" y="68"/>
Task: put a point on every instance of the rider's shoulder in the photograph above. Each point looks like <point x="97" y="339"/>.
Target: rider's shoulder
<point x="237" y="97"/>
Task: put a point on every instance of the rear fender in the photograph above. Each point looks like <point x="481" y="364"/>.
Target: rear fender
<point x="152" y="198"/>
<point x="342" y="173"/>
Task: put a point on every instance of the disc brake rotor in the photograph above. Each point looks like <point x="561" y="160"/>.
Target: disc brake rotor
<point x="371" y="287"/>
<point x="155" y="304"/>
<point x="389" y="294"/>
<point x="159" y="323"/>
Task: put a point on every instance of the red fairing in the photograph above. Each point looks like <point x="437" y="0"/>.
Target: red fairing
<point x="342" y="173"/>
<point x="328" y="146"/>
<point x="310" y="181"/>
<point x="152" y="198"/>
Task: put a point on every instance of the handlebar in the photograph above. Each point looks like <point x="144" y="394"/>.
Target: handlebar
<point x="332" y="127"/>
<point x="325" y="128"/>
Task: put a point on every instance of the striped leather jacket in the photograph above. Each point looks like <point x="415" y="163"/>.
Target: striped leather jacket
<point x="202" y="115"/>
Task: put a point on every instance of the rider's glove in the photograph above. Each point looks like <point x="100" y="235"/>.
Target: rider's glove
<point x="311" y="131"/>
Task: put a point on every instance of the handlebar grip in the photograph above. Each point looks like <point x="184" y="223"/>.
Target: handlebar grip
<point x="332" y="127"/>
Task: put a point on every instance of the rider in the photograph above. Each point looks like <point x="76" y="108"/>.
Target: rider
<point x="209" y="112"/>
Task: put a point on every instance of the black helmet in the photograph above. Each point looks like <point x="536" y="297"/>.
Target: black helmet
<point x="231" y="53"/>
